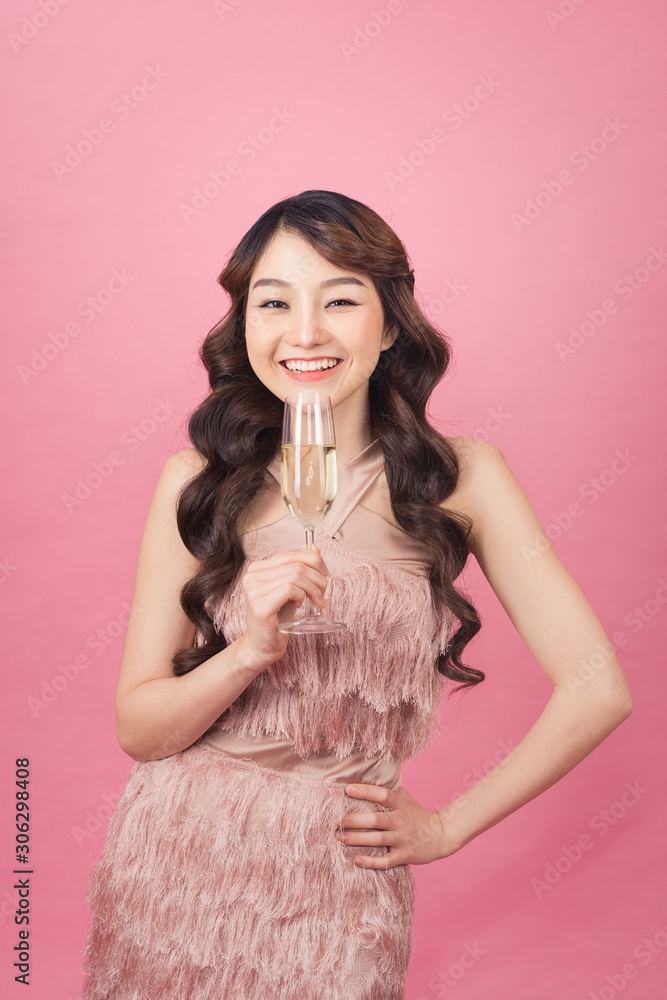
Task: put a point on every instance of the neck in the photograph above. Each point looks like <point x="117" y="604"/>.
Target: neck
<point x="352" y="423"/>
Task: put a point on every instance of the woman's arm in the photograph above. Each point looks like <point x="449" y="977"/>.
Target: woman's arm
<point x="157" y="713"/>
<point x="591" y="695"/>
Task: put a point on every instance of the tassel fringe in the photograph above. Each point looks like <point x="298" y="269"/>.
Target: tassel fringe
<point x="221" y="879"/>
<point x="373" y="688"/>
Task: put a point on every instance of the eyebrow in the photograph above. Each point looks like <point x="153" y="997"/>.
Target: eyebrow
<point x="349" y="280"/>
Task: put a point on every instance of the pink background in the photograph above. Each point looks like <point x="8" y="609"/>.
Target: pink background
<point x="357" y="98"/>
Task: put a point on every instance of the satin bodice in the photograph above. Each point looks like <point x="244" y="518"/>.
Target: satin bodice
<point x="349" y="521"/>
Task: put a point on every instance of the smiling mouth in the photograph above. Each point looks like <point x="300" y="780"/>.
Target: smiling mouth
<point x="311" y="365"/>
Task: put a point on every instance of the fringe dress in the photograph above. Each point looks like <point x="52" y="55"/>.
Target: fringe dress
<point x="221" y="877"/>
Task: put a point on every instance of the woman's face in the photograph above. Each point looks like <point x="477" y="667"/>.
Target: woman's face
<point x="303" y="310"/>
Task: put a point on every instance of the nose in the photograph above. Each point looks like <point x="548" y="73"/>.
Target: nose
<point x="304" y="329"/>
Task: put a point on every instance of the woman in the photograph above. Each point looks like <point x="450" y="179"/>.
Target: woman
<point x="263" y="844"/>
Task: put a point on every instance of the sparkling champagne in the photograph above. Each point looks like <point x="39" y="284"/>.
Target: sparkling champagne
<point x="308" y="481"/>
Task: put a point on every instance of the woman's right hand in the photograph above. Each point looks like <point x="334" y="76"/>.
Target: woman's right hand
<point x="274" y="588"/>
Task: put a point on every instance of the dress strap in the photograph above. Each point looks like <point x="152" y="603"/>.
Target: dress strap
<point x="353" y="484"/>
<point x="354" y="480"/>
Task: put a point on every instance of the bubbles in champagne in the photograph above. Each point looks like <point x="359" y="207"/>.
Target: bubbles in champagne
<point x="308" y="481"/>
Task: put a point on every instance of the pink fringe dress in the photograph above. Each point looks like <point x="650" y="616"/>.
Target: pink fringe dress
<point x="221" y="877"/>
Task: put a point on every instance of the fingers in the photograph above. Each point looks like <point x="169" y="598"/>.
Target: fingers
<point x="393" y="856"/>
<point x="359" y="820"/>
<point x="270" y="585"/>
<point x="276" y="597"/>
<point x="309" y="557"/>
<point x="275" y="590"/>
<point x="376" y="793"/>
<point x="390" y="860"/>
<point x="275" y="579"/>
<point x="379" y="820"/>
<point x="375" y="838"/>
<point x="293" y="572"/>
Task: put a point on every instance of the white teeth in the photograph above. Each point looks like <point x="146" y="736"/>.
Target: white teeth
<point x="311" y="366"/>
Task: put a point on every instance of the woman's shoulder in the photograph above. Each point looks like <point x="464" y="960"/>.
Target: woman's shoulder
<point x="481" y="463"/>
<point x="188" y="458"/>
<point x="182" y="466"/>
<point x="474" y="453"/>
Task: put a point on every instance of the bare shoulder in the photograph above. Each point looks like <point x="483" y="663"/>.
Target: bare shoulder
<point x="488" y="493"/>
<point x="178" y="469"/>
<point x="482" y="468"/>
<point x="530" y="581"/>
<point x="188" y="461"/>
<point x="182" y="466"/>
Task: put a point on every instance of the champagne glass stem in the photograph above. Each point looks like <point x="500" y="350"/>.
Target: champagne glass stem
<point x="308" y="608"/>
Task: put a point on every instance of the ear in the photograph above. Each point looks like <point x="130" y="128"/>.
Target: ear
<point x="389" y="336"/>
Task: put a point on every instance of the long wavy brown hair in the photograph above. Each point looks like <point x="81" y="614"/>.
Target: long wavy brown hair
<point x="237" y="428"/>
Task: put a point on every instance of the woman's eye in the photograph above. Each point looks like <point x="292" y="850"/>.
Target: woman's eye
<point x="335" y="302"/>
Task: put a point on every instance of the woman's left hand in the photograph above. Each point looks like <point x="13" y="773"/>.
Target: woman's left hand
<point x="414" y="835"/>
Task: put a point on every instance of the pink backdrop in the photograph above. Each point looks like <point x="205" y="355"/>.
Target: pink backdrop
<point x="518" y="149"/>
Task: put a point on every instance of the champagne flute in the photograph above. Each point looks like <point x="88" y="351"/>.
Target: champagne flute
<point x="308" y="482"/>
